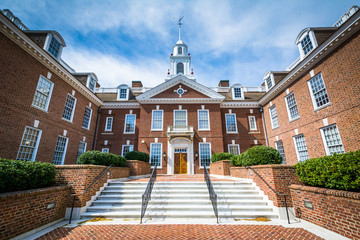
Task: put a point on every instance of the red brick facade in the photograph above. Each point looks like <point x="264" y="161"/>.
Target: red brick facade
<point x="336" y="210"/>
<point x="220" y="168"/>
<point x="138" y="168"/>
<point x="26" y="210"/>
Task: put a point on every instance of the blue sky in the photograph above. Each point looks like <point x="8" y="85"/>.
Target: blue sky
<point x="130" y="40"/>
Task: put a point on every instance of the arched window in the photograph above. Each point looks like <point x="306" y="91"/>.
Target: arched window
<point x="179" y="50"/>
<point x="180" y="68"/>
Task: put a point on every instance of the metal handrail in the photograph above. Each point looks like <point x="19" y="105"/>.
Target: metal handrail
<point x="146" y="197"/>
<point x="212" y="194"/>
<point x="278" y="194"/>
<point x="75" y="195"/>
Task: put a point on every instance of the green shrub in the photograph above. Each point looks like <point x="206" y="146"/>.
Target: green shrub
<point x="16" y="175"/>
<point x="339" y="171"/>
<point x="100" y="158"/>
<point x="134" y="155"/>
<point x="221" y="156"/>
<point x="258" y="155"/>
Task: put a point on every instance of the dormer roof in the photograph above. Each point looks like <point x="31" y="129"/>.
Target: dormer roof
<point x="39" y="36"/>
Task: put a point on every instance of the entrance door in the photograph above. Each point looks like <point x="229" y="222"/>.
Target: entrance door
<point x="180" y="161"/>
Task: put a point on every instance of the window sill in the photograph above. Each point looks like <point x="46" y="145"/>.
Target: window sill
<point x="43" y="110"/>
<point x="129" y="133"/>
<point x="152" y="167"/>
<point x="67" y="120"/>
<point x="254" y="132"/>
<point x="208" y="167"/>
<point x="204" y="130"/>
<point x="275" y="128"/>
<point x="294" y="119"/>
<point x="232" y="132"/>
<point x="108" y="130"/>
<point x="85" y="128"/>
<point x="107" y="133"/>
<point x="156" y="130"/>
<point x="323" y="106"/>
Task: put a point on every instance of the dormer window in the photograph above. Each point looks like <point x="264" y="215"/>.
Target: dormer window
<point x="269" y="81"/>
<point x="123" y="93"/>
<point x="306" y="44"/>
<point x="54" y="47"/>
<point x="237" y="92"/>
<point x="91" y="83"/>
<point x="180" y="50"/>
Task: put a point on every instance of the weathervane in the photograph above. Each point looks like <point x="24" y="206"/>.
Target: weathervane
<point x="180" y="23"/>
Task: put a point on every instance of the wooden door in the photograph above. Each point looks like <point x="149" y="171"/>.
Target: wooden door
<point x="180" y="163"/>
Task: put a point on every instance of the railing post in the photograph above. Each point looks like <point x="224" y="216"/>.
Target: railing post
<point x="72" y="208"/>
<point x="287" y="211"/>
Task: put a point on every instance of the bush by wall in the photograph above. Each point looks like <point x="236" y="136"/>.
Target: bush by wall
<point x="134" y="155"/>
<point x="258" y="155"/>
<point x="16" y="175"/>
<point x="100" y="158"/>
<point x="339" y="171"/>
<point x="221" y="156"/>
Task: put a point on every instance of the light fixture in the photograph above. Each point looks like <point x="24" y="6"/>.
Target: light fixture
<point x="143" y="141"/>
<point x="164" y="155"/>
<point x="196" y="155"/>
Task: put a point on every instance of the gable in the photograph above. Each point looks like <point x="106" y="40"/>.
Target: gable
<point x="172" y="92"/>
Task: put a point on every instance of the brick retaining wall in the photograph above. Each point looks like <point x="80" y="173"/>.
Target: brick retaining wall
<point x="24" y="211"/>
<point x="138" y="167"/>
<point x="278" y="176"/>
<point x="336" y="210"/>
<point x="220" y="168"/>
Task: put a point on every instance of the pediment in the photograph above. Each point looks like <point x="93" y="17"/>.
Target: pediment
<point x="186" y="92"/>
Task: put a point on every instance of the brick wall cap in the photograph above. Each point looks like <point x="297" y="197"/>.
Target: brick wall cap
<point x="79" y="166"/>
<point x="269" y="166"/>
<point x="220" y="161"/>
<point x="137" y="161"/>
<point x="115" y="168"/>
<point x="37" y="191"/>
<point x="326" y="191"/>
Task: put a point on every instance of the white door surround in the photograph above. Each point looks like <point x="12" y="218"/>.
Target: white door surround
<point x="180" y="142"/>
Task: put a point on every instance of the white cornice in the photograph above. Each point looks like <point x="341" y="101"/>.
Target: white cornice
<point x="180" y="100"/>
<point x="21" y="39"/>
<point x="342" y="34"/>
<point x="120" y="105"/>
<point x="183" y="80"/>
<point x="239" y="105"/>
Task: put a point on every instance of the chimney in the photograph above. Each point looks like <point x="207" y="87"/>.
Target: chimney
<point x="136" y="84"/>
<point x="224" y="83"/>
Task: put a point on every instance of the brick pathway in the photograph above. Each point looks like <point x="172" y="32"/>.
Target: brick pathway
<point x="181" y="178"/>
<point x="184" y="231"/>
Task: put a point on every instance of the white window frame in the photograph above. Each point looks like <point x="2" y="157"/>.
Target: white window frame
<point x="126" y="145"/>
<point x="233" y="93"/>
<point x="78" y="149"/>
<point x="88" y="83"/>
<point x="36" y="145"/>
<point x="272" y="81"/>
<point x="48" y="98"/>
<point x="271" y="119"/>
<point x="88" y="127"/>
<point x="48" y="42"/>
<point x="161" y="150"/>
<point x="312" y="94"/>
<point x="226" y="123"/>
<point x="288" y="109"/>
<point x="162" y="120"/>
<point x="73" y="110"/>
<point x="186" y="115"/>
<point x="105" y="150"/>
<point x="127" y="94"/>
<point x="233" y="145"/>
<point x="324" y="140"/>
<point x="276" y="147"/>
<point x="65" y="149"/>
<point x="252" y="117"/>
<point x="125" y="124"/>
<point x="296" y="148"/>
<point x="106" y="124"/>
<point x="201" y="143"/>
<point x="208" y="120"/>
<point x="313" y="42"/>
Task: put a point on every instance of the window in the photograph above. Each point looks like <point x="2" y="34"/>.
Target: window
<point x="306" y="44"/>
<point x="203" y="119"/>
<point x="157" y="120"/>
<point x="123" y="93"/>
<point x="318" y="91"/>
<point x="237" y="94"/>
<point x="126" y="149"/>
<point x="105" y="150"/>
<point x="291" y="106"/>
<point x="205" y="154"/>
<point x="332" y="140"/>
<point x="130" y="123"/>
<point x="81" y="149"/>
<point x="234" y="149"/>
<point x="92" y="83"/>
<point x="69" y="108"/>
<point x="231" y="126"/>
<point x="273" y="117"/>
<point x="60" y="150"/>
<point x="268" y="81"/>
<point x="180" y="118"/>
<point x="54" y="47"/>
<point x="108" y="124"/>
<point x="179" y="50"/>
<point x="29" y="144"/>
<point x="155" y="154"/>
<point x="43" y="93"/>
<point x="180" y="68"/>
<point x="87" y="118"/>
<point x="301" y="150"/>
<point x="280" y="148"/>
<point x="252" y="123"/>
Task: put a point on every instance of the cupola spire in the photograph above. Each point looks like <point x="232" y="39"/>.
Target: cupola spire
<point x="180" y="23"/>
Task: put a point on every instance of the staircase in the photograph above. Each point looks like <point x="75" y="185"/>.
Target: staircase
<point x="181" y="200"/>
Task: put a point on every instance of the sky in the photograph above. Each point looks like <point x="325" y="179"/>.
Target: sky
<point x="125" y="40"/>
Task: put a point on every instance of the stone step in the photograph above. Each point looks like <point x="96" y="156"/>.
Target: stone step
<point x="186" y="192"/>
<point x="171" y="187"/>
<point x="180" y="196"/>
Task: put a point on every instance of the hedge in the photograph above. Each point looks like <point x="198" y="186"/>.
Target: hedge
<point x="134" y="155"/>
<point x="257" y="155"/>
<point x="221" y="156"/>
<point x="338" y="171"/>
<point x="100" y="158"/>
<point x="17" y="175"/>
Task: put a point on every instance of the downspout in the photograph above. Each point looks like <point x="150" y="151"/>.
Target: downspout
<point x="266" y="136"/>
<point x="96" y="127"/>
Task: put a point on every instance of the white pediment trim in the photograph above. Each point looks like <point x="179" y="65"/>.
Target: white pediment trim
<point x="120" y="105"/>
<point x="239" y="105"/>
<point x="184" y="81"/>
<point x="180" y="100"/>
